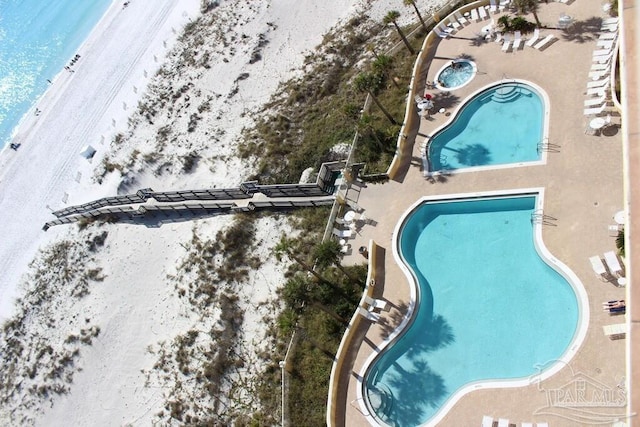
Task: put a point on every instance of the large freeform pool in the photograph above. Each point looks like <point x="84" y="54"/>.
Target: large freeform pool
<point x="489" y="307"/>
<point x="501" y="125"/>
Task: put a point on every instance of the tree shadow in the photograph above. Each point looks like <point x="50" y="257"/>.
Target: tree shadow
<point x="445" y="100"/>
<point x="583" y="31"/>
<point x="473" y="155"/>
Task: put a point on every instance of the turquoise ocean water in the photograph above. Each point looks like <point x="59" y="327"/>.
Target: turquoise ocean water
<point x="37" y="39"/>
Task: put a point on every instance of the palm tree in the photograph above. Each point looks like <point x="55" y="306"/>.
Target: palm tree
<point x="286" y="247"/>
<point x="298" y="293"/>
<point x="528" y="6"/>
<point x="370" y="83"/>
<point x="413" y="3"/>
<point x="366" y="126"/>
<point x="328" y="253"/>
<point x="391" y="18"/>
<point x="372" y="48"/>
<point x="384" y="65"/>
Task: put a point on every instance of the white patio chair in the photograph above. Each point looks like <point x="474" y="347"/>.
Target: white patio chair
<point x="545" y="42"/>
<point x="517" y="41"/>
<point x="503" y="422"/>
<point x="487" y="421"/>
<point x="474" y="15"/>
<point x="376" y="304"/>
<point x="598" y="83"/>
<point x="611" y="259"/>
<point x="534" y="38"/>
<point x="598" y="268"/>
<point x="595" y="110"/>
<point x="374" y="317"/>
<point x="461" y="19"/>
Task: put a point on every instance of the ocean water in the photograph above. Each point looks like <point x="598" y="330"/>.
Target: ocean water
<point x="37" y="39"/>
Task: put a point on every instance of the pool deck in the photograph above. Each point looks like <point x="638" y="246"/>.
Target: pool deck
<point x="583" y="182"/>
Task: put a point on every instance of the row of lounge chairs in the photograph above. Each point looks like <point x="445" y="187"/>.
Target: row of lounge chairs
<point x="504" y="422"/>
<point x="598" y="87"/>
<point x="536" y="41"/>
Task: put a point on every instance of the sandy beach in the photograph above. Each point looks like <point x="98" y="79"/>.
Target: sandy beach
<point x="130" y="310"/>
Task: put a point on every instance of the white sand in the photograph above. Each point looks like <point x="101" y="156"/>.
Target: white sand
<point x="136" y="305"/>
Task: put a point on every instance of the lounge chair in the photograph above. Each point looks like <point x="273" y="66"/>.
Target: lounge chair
<point x="503" y="4"/>
<point x="493" y="6"/>
<point x="455" y="24"/>
<point x="461" y="19"/>
<point x="595" y="101"/>
<point x="482" y="13"/>
<point x="444" y="30"/>
<point x="605" y="44"/>
<point x="600" y="67"/>
<point x="376" y="304"/>
<point x="611" y="28"/>
<point x="474" y="15"/>
<point x="506" y="46"/>
<point x="374" y="317"/>
<point x="487" y="421"/>
<point x="615" y="332"/>
<point x="440" y="33"/>
<point x="600" y="52"/>
<point x="503" y="422"/>
<point x="608" y="36"/>
<point x="544" y="42"/>
<point x="609" y="21"/>
<point x="598" y="91"/>
<point x="598" y="75"/>
<point x="527" y="424"/>
<point x="534" y="38"/>
<point x="601" y="59"/>
<point x="498" y="37"/>
<point x="598" y="267"/>
<point x="598" y="83"/>
<point x="595" y="110"/>
<point x="517" y="41"/>
<point x="613" y="264"/>
<point x="343" y="234"/>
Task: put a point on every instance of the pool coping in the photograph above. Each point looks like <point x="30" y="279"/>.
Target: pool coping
<point x="474" y="66"/>
<point x="453" y="116"/>
<point x="552" y="366"/>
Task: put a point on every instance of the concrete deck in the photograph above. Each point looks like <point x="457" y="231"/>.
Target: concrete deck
<point x="583" y="184"/>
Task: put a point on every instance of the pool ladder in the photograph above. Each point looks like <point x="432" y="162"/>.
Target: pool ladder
<point x="547" y="146"/>
<point x="539" y="217"/>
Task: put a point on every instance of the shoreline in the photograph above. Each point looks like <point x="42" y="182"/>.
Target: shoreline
<point x="23" y="205"/>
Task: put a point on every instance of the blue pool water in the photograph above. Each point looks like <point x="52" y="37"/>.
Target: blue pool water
<point x="489" y="307"/>
<point x="501" y="125"/>
<point x="452" y="78"/>
<point x="37" y="39"/>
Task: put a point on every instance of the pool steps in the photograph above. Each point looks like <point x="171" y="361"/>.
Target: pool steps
<point x="506" y="94"/>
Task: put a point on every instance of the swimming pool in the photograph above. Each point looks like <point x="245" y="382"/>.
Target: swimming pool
<point x="502" y="125"/>
<point x="489" y="309"/>
<point x="455" y="75"/>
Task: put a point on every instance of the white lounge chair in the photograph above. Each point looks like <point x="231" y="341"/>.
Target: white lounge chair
<point x="601" y="59"/>
<point x="474" y="15"/>
<point x="605" y="44"/>
<point x="455" y="24"/>
<point x="598" y="75"/>
<point x="595" y="110"/>
<point x="376" y="304"/>
<point x="612" y="263"/>
<point x="506" y="46"/>
<point x="440" y="33"/>
<point x="503" y="422"/>
<point x="534" y="38"/>
<point x="545" y="41"/>
<point x="598" y="267"/>
<point x="613" y="28"/>
<point x="461" y="19"/>
<point x="503" y="4"/>
<point x="610" y="21"/>
<point x="498" y="38"/>
<point x="600" y="52"/>
<point x="343" y="234"/>
<point x="374" y="317"/>
<point x="600" y="67"/>
<point x="598" y="83"/>
<point x="527" y="424"/>
<point x="517" y="41"/>
<point x="595" y="101"/>
<point x="482" y="13"/>
<point x="598" y="91"/>
<point x="487" y="421"/>
<point x="614" y="332"/>
<point x="608" y="36"/>
<point x="493" y="6"/>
